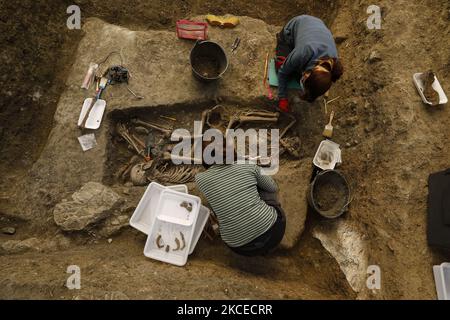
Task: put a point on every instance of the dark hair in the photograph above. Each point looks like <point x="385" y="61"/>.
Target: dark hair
<point x="320" y="81"/>
<point x="338" y="70"/>
<point x="317" y="84"/>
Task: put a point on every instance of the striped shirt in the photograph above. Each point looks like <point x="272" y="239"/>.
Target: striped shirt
<point x="232" y="192"/>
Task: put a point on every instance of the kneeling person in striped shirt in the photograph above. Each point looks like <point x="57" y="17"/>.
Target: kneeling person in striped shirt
<point x="251" y="221"/>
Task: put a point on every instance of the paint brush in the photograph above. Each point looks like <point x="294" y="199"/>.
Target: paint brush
<point x="328" y="131"/>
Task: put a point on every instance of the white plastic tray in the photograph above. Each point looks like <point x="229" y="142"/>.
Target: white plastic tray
<point x="442" y="280"/>
<point x="95" y="116"/>
<point x="168" y="232"/>
<point x="417" y="78"/>
<point x="145" y="213"/>
<point x="203" y="216"/>
<point x="333" y="152"/>
<point x="170" y="209"/>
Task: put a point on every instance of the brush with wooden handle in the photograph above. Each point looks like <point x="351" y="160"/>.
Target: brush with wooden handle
<point x="266" y="85"/>
<point x="328" y="131"/>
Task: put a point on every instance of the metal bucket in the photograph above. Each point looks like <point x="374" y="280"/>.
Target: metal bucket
<point x="329" y="194"/>
<point x="208" y="61"/>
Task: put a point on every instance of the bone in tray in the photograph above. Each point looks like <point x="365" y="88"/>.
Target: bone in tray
<point x="169" y="242"/>
<point x="172" y="232"/>
<point x="178" y="208"/>
<point x="170" y="237"/>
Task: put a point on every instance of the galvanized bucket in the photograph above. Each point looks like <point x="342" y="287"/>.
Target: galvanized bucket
<point x="334" y="181"/>
<point x="208" y="61"/>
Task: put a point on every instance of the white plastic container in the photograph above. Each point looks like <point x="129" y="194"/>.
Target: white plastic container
<point x="95" y="116"/>
<point x="174" y="226"/>
<point x="328" y="155"/>
<point x="167" y="232"/>
<point x="417" y="78"/>
<point x="442" y="280"/>
<point x="203" y="215"/>
<point x="145" y="213"/>
<point x="170" y="207"/>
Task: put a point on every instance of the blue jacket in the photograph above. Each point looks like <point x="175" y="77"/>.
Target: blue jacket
<point x="311" y="40"/>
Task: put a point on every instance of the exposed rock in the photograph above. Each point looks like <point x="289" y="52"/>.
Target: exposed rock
<point x="36" y="95"/>
<point x="374" y="57"/>
<point x="19" y="246"/>
<point x="9" y="230"/>
<point x="92" y="203"/>
<point x="113" y="225"/>
<point x="293" y="182"/>
<point x="347" y="245"/>
<point x="34" y="244"/>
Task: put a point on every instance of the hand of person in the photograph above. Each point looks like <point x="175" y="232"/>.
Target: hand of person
<point x="279" y="60"/>
<point x="283" y="104"/>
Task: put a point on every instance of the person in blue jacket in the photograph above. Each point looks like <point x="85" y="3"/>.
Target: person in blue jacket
<point x="306" y="50"/>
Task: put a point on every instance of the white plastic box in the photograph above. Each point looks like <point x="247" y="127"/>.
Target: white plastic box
<point x="417" y="78"/>
<point x="173" y="230"/>
<point x="442" y="280"/>
<point x="95" y="116"/>
<point x="145" y="213"/>
<point x="328" y="155"/>
<point x="170" y="207"/>
<point x="203" y="216"/>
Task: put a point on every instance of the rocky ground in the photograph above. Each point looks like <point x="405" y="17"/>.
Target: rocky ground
<point x="60" y="206"/>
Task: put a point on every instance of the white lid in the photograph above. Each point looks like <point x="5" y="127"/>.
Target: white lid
<point x="145" y="212"/>
<point x="203" y="216"/>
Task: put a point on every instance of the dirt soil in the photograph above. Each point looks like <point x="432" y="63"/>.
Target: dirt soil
<point x="206" y="66"/>
<point x="329" y="195"/>
<point x="390" y="142"/>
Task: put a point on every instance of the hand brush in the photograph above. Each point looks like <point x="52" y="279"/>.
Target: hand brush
<point x="328" y="131"/>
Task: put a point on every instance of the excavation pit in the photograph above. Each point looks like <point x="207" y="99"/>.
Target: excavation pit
<point x="42" y="162"/>
<point x="150" y="130"/>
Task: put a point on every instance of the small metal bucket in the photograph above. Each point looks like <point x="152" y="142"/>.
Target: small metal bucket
<point x="208" y="61"/>
<point x="336" y="183"/>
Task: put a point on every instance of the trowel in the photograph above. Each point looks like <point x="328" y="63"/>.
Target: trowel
<point x="93" y="108"/>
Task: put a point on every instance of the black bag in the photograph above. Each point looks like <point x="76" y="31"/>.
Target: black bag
<point x="438" y="224"/>
<point x="117" y="74"/>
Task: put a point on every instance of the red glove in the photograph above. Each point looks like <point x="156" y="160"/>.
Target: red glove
<point x="279" y="60"/>
<point x="283" y="104"/>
